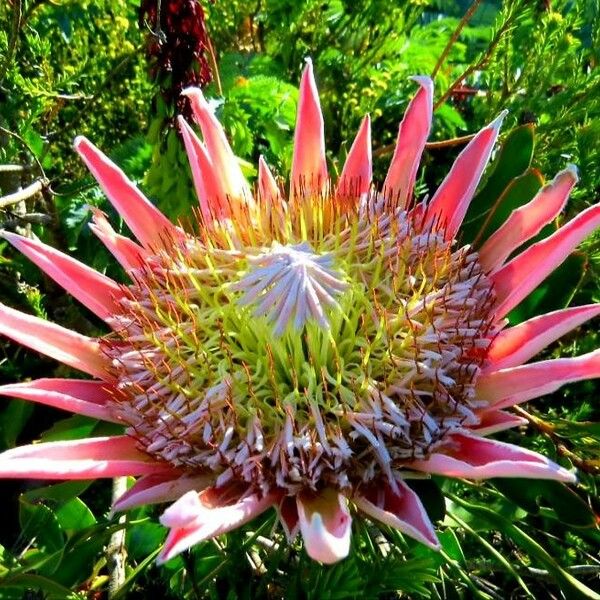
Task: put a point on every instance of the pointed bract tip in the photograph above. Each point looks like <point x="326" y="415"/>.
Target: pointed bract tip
<point x="79" y="139"/>
<point x="497" y="122"/>
<point x="183" y="512"/>
<point x="193" y="92"/>
<point x="83" y="147"/>
<point x="572" y="170"/>
<point x="569" y="477"/>
<point x="308" y="74"/>
<point x="424" y="81"/>
<point x="183" y="125"/>
<point x="9" y="236"/>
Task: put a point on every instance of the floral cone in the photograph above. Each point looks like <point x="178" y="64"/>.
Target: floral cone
<point x="308" y="354"/>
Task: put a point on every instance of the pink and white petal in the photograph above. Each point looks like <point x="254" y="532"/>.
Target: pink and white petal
<point x="515" y="346"/>
<point x="97" y="292"/>
<point x="210" y="191"/>
<point x="451" y="201"/>
<point x="325" y="524"/>
<point x="158" y="488"/>
<point x="528" y="220"/>
<point x="224" y="161"/>
<point x="410" y="143"/>
<point x="515" y="280"/>
<point x="78" y="459"/>
<point x="73" y="349"/>
<point x="494" y="421"/>
<point x="287" y="511"/>
<point x="191" y="521"/>
<point x="474" y="457"/>
<point x="357" y="173"/>
<point x="507" y="387"/>
<point x="402" y="510"/>
<point x="79" y="396"/>
<point x="309" y="165"/>
<point x="146" y="222"/>
<point x="130" y="255"/>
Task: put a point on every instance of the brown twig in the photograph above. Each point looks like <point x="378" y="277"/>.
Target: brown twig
<point x="479" y="64"/>
<point x="466" y="18"/>
<point x="549" y="431"/>
<point x="457" y="141"/>
<point x="30" y="191"/>
<point x="11" y="168"/>
<point x="116" y="554"/>
<point x="27" y="147"/>
<point x="214" y="67"/>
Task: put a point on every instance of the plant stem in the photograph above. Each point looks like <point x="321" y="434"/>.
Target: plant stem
<point x="11" y="168"/>
<point x="548" y="430"/>
<point x="466" y="18"/>
<point x="116" y="555"/>
<point x="457" y="141"/>
<point x="31" y="190"/>
<point x="479" y="64"/>
<point x="214" y="67"/>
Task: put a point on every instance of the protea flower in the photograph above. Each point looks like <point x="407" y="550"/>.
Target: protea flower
<point x="308" y="354"/>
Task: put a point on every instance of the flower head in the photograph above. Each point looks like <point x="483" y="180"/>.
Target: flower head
<point x="310" y="354"/>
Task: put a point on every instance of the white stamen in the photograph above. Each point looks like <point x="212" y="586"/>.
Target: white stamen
<point x="291" y="284"/>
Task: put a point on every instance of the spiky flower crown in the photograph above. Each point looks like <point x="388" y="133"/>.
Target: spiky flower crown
<point x="304" y="352"/>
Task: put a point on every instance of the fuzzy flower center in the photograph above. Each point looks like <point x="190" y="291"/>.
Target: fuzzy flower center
<point x="317" y="356"/>
<point x="290" y="283"/>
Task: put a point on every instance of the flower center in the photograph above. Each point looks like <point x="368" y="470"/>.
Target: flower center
<point x="307" y="361"/>
<point x="291" y="283"/>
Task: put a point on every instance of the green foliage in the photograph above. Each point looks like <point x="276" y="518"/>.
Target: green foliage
<point x="72" y="67"/>
<point x="79" y="71"/>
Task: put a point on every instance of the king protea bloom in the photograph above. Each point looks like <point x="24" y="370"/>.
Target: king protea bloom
<point x="308" y="353"/>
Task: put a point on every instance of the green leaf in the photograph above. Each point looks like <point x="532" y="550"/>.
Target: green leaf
<point x="71" y="428"/>
<point x="143" y="539"/>
<point x="40" y="524"/>
<point x="517" y="193"/>
<point x="494" y="553"/>
<point x="59" y="492"/>
<point x="21" y="584"/>
<point x="75" y="515"/>
<point x="451" y="545"/>
<point x="555" y="292"/>
<point x="14" y="417"/>
<point x="512" y="161"/>
<point x="78" y="560"/>
<point x="500" y="505"/>
<point x="133" y="575"/>
<point x="579" y="429"/>
<point x="570" y="586"/>
<point x="570" y="509"/>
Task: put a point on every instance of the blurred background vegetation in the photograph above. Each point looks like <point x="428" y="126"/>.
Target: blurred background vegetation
<point x="112" y="70"/>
